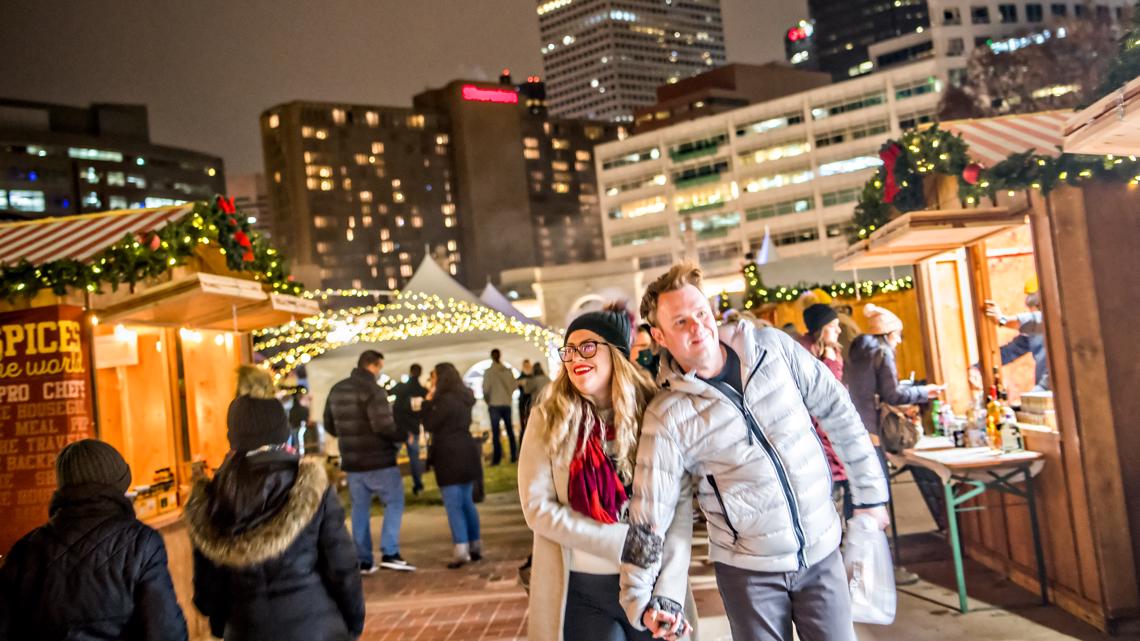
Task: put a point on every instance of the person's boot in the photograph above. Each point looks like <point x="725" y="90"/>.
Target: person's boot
<point x="904" y="576"/>
<point x="476" y="550"/>
<point x="462" y="556"/>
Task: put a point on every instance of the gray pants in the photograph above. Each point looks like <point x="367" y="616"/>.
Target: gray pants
<point x="762" y="606"/>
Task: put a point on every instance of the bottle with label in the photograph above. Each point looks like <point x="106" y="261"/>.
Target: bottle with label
<point x="1011" y="439"/>
<point x="936" y="417"/>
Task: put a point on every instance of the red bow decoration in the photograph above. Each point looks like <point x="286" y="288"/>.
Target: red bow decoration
<point x="247" y="256"/>
<point x="153" y="243"/>
<point x="227" y="205"/>
<point x="242" y="239"/>
<point x="889" y="156"/>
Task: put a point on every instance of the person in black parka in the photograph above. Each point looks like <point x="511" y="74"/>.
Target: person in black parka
<point x="272" y="556"/>
<point x="93" y="571"/>
<point x="455" y="457"/>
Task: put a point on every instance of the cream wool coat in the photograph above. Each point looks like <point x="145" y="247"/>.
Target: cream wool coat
<point x="558" y="528"/>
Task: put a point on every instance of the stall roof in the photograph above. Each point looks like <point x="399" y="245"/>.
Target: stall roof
<point x="79" y="237"/>
<point x="493" y="298"/>
<point x="1110" y="125"/>
<point x="992" y="140"/>
<point x="919" y="235"/>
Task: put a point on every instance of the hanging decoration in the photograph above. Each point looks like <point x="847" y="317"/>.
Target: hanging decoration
<point x="137" y="258"/>
<point x="897" y="186"/>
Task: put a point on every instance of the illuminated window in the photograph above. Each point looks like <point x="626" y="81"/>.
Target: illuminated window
<point x="392" y="283"/>
<point x="399" y="221"/>
<point x="559" y="143"/>
<point x="361" y="159"/>
<point x="338" y="116"/>
<point x="277" y="177"/>
<point x="385" y="234"/>
<point x="312" y="183"/>
<point x="530" y="143"/>
<point x="783" y="179"/>
<point x="320" y="222"/>
<point x="366" y="221"/>
<point x="416" y="121"/>
<point x="582" y="155"/>
<point x="581" y="166"/>
<point x="326" y="185"/>
<point x="349" y="235"/>
<point x="26" y="200"/>
<point x="560" y="188"/>
<point x="321" y="134"/>
<point x="441" y="139"/>
<point x="531" y="154"/>
<point x="372" y="118"/>
<point x="417" y="221"/>
<point x="306" y="132"/>
<point x="849" y="165"/>
<point x="452" y="245"/>
<point x="365" y="196"/>
<point x="387" y="246"/>
<point x="447" y="209"/>
<point x="395" y="183"/>
<point x="322" y="248"/>
<point x="640" y="237"/>
<point x="405" y="270"/>
<point x="793" y="206"/>
<point x="347" y="184"/>
<point x="377" y="147"/>
<point x="274" y="121"/>
<point x="448" y="221"/>
<point x="560" y="165"/>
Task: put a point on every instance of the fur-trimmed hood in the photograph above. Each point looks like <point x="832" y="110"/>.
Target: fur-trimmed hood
<point x="270" y="538"/>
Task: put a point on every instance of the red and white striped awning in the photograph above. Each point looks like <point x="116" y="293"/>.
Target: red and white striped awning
<point x="79" y="237"/>
<point x="992" y="140"/>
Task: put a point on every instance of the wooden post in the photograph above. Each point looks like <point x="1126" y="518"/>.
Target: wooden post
<point x="979" y="270"/>
<point x="924" y="297"/>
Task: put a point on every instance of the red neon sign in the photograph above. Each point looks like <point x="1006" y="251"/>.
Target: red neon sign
<point x="502" y="96"/>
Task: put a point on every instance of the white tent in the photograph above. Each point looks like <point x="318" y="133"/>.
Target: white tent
<point x="493" y="298"/>
<point x="434" y="319"/>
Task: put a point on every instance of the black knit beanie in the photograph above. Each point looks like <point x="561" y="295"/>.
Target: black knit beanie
<point x="91" y="461"/>
<point x="818" y="315"/>
<point x="612" y="326"/>
<point x="256" y="422"/>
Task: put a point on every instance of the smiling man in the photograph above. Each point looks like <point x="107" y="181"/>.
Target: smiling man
<point x="734" y="418"/>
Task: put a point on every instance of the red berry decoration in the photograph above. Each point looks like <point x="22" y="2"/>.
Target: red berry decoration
<point x="155" y="242"/>
<point x="972" y="173"/>
<point x="247" y="256"/>
<point x="242" y="239"/>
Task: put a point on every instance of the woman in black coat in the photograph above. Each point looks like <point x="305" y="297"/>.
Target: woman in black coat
<point x="93" y="571"/>
<point x="272" y="557"/>
<point x="455" y="457"/>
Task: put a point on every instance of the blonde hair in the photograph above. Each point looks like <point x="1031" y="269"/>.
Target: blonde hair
<point x="564" y="411"/>
<point x="679" y="275"/>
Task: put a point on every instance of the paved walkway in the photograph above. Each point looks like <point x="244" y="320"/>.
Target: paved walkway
<point x="483" y="601"/>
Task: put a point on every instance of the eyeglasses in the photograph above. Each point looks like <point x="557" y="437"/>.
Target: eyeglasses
<point x="586" y="348"/>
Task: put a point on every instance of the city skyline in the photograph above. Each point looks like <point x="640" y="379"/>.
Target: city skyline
<point x="205" y="72"/>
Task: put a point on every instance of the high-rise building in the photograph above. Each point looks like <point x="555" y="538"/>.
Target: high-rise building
<point x="793" y="166"/>
<point x="359" y="192"/>
<point x="476" y="172"/>
<point x="58" y="160"/>
<point x="724" y="89"/>
<point x="841" y="31"/>
<point x="604" y="58"/>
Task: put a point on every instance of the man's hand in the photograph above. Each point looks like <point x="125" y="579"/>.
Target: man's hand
<point x="993" y="311"/>
<point x="663" y="625"/>
<point x="878" y="513"/>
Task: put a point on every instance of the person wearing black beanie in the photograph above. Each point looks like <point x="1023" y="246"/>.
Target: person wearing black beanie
<point x="94" y="570"/>
<point x="270" y="529"/>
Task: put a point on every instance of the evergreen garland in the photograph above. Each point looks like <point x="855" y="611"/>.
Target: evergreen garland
<point x="935" y="151"/>
<point x="134" y="259"/>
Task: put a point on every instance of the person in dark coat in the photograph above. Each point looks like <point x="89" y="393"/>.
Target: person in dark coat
<point x="358" y="414"/>
<point x="272" y="557"/>
<point x="406" y="411"/>
<point x="93" y="571"/>
<point x="455" y="457"/>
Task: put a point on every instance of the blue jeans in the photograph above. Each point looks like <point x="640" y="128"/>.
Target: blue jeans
<point x="461" y="513"/>
<point x="362" y="486"/>
<point x="414" y="462"/>
<point x="501" y="413"/>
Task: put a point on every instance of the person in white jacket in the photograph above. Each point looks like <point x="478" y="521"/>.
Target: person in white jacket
<point x="575" y="469"/>
<point x="734" y="417"/>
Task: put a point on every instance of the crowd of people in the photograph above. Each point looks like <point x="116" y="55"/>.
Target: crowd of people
<point x="767" y="431"/>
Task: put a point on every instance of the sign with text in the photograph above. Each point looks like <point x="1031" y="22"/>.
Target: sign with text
<point x="45" y="403"/>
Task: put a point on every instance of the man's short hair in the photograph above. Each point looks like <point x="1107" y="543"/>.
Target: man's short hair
<point x="496" y="355"/>
<point x="679" y="275"/>
<point x="368" y="358"/>
<point x="1033" y="300"/>
<point x="415" y="370"/>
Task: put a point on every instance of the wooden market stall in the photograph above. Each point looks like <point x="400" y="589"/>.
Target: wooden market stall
<point x="979" y="218"/>
<point x="161" y="302"/>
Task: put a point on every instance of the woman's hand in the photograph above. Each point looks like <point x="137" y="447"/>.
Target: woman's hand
<point x="934" y="391"/>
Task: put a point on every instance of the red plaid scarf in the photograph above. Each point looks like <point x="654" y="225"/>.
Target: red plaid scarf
<point x="595" y="488"/>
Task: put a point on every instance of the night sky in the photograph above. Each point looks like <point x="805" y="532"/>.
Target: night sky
<point x="206" y="68"/>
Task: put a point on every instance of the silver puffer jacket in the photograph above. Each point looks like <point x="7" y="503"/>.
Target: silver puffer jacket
<point x="763" y="481"/>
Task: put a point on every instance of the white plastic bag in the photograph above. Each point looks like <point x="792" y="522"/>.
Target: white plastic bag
<point x="870" y="573"/>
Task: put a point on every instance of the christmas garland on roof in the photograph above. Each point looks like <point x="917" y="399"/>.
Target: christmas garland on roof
<point x="898" y="183"/>
<point x="136" y="258"/>
<point x="756" y="294"/>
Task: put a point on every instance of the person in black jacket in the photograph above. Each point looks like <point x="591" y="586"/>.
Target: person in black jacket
<point x="272" y="558"/>
<point x="455" y="457"/>
<point x="406" y="411"/>
<point x="93" y="571"/>
<point x="358" y="414"/>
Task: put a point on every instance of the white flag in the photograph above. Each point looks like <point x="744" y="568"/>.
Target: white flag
<point x="767" y="253"/>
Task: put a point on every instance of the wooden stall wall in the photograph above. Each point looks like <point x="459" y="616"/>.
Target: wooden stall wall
<point x="1011" y="266"/>
<point x="209" y="363"/>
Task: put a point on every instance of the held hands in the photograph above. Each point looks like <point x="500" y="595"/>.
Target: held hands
<point x="934" y="391"/>
<point x="663" y="625"/>
<point x="878" y="513"/>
